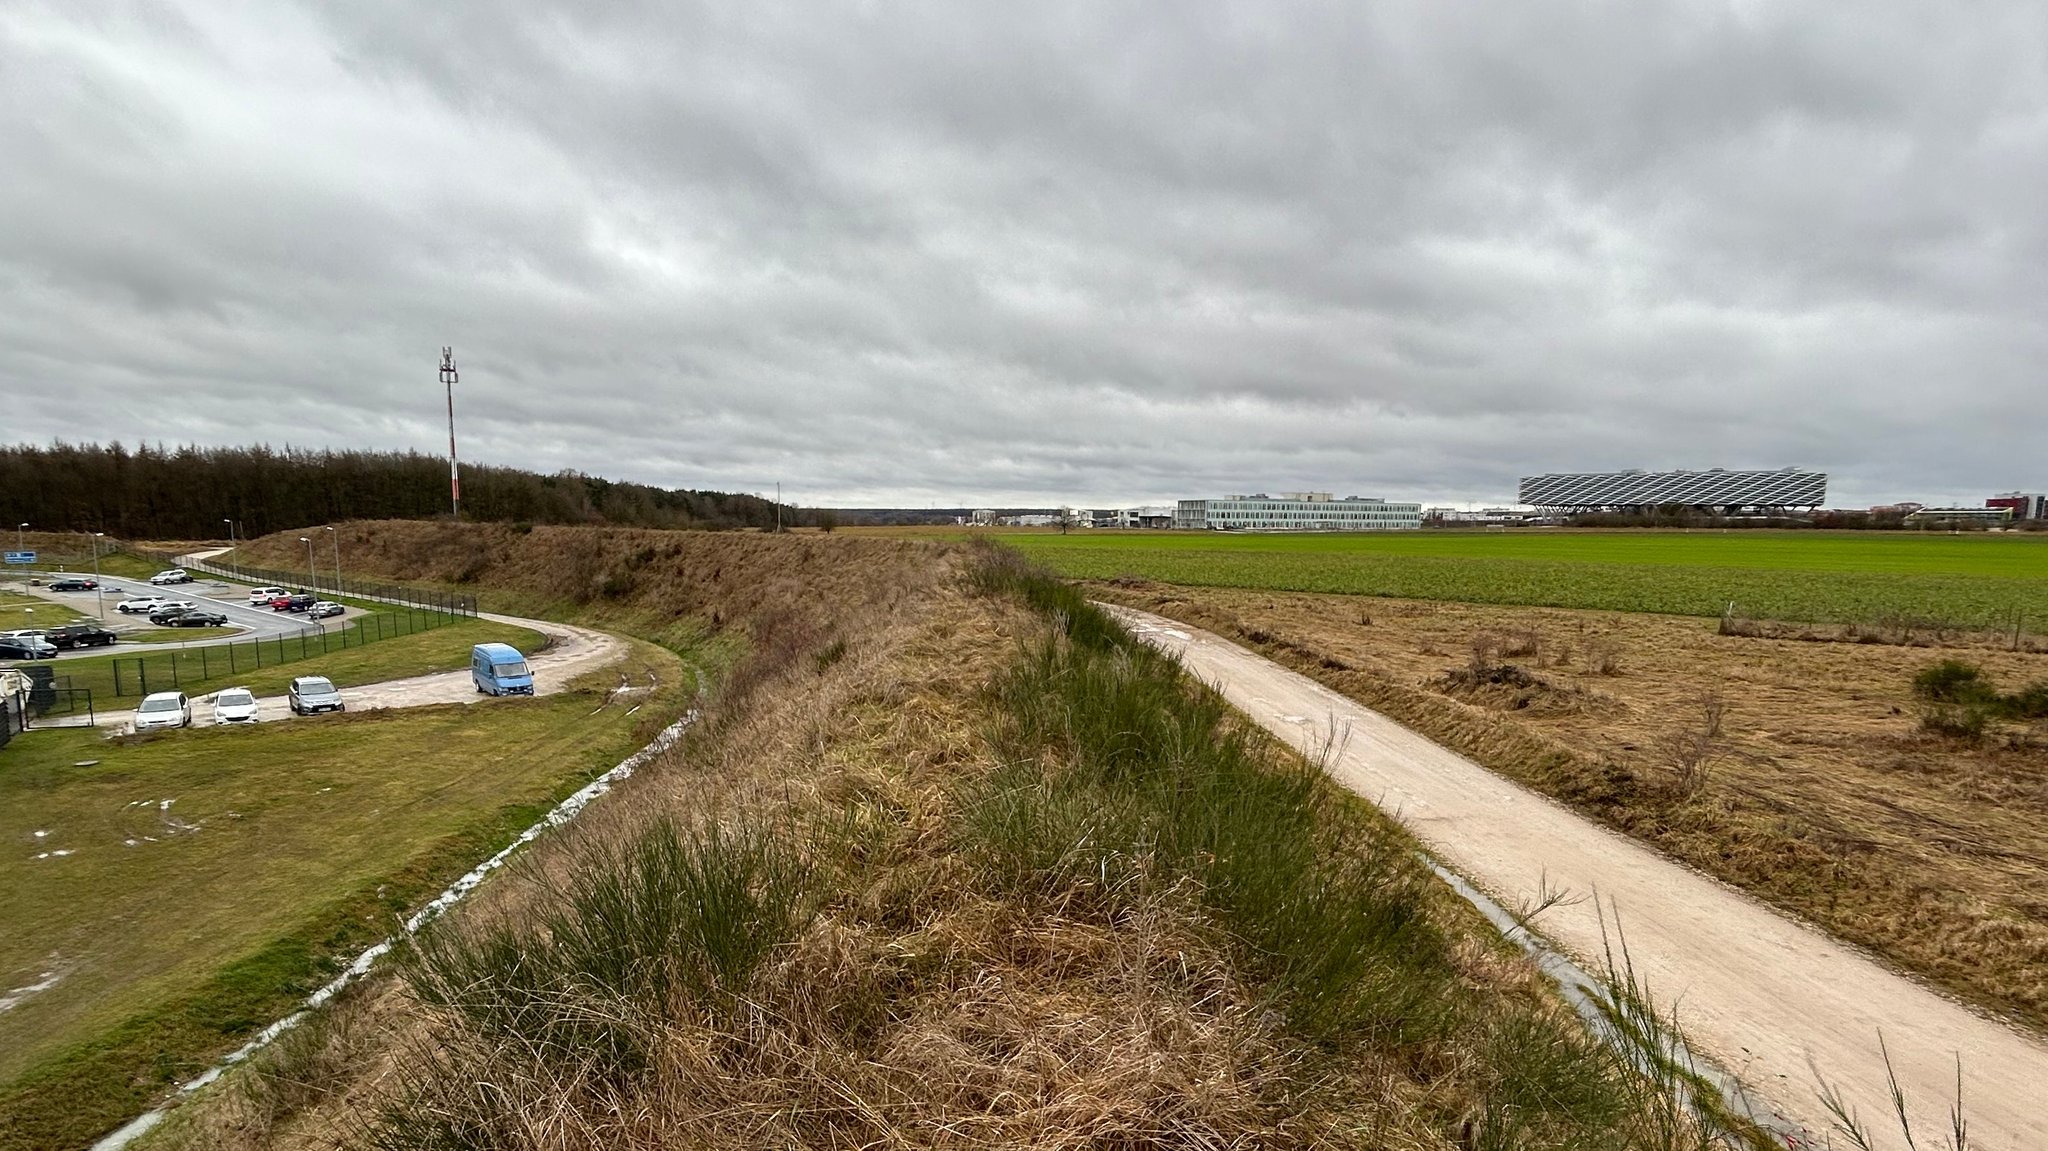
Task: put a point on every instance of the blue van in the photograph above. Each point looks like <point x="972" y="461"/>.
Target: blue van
<point x="499" y="669"/>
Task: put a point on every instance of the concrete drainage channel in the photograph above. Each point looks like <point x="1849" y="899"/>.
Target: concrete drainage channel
<point x="562" y="813"/>
<point x="1594" y="1000"/>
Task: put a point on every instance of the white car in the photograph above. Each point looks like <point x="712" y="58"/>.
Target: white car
<point x="321" y="609"/>
<point x="137" y="604"/>
<point x="261" y="596"/>
<point x="163" y="709"/>
<point x="174" y="575"/>
<point x="234" y="705"/>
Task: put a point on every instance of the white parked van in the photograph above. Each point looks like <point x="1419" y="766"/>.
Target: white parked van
<point x="261" y="596"/>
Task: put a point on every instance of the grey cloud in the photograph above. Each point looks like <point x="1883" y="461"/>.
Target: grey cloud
<point x="1039" y="253"/>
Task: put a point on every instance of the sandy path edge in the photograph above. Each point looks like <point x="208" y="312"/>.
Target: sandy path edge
<point x="1764" y="996"/>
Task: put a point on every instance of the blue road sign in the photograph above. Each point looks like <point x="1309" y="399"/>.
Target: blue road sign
<point x="21" y="557"/>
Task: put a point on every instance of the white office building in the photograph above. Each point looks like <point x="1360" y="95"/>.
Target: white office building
<point x="1296" y="512"/>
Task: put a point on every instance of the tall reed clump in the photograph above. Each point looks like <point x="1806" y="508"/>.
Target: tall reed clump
<point x="670" y="926"/>
<point x="1120" y="779"/>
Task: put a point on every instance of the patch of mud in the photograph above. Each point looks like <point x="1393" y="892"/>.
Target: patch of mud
<point x="1507" y="687"/>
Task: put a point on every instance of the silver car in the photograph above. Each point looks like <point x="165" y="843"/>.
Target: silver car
<point x="163" y="709"/>
<point x="313" y="693"/>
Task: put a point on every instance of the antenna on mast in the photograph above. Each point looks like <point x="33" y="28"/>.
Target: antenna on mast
<point x="448" y="377"/>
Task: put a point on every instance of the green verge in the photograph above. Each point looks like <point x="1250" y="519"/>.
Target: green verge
<point x="171" y="953"/>
<point x="1839" y="577"/>
<point x="178" y="635"/>
<point x="20" y="612"/>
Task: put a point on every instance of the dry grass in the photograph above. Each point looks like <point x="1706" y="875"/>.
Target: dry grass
<point x="911" y="1002"/>
<point x="1798" y="771"/>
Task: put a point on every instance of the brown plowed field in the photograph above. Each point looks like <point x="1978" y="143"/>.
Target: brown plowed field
<point x="1819" y="792"/>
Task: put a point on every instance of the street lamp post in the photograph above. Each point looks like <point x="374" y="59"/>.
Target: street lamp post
<point x="337" y="559"/>
<point x="18" y="529"/>
<point x="98" y="592"/>
<point x="312" y="580"/>
<point x="232" y="542"/>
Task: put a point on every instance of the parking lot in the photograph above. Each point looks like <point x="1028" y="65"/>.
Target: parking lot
<point x="229" y="599"/>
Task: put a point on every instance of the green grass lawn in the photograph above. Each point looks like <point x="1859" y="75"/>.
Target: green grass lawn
<point x="19" y="612"/>
<point x="213" y="876"/>
<point x="1976" y="579"/>
<point x="198" y="670"/>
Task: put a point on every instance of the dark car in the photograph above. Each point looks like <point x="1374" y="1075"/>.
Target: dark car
<point x="299" y="602"/>
<point x="26" y="647"/>
<point x="197" y="617"/>
<point x="171" y="609"/>
<point x="72" y="635"/>
<point x="74" y="585"/>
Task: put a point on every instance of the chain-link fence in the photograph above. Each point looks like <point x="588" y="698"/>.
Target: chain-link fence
<point x="124" y="676"/>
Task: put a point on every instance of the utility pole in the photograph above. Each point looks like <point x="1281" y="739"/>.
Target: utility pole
<point x="337" y="561"/>
<point x="312" y="578"/>
<point x="449" y="377"/>
<point x="97" y="591"/>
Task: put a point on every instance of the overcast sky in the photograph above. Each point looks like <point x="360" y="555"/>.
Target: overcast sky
<point x="1097" y="253"/>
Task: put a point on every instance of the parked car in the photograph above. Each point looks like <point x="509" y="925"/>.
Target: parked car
<point x="499" y="669"/>
<point x="164" y="709"/>
<point x="163" y="612"/>
<point x="261" y="596"/>
<point x="140" y="603"/>
<point x="296" y="602"/>
<point x="321" y="609"/>
<point x="72" y="635"/>
<point x="311" y="693"/>
<point x="174" y="575"/>
<point x="234" y="705"/>
<point x="73" y="584"/>
<point x="26" y="647"/>
<point x="197" y="617"/>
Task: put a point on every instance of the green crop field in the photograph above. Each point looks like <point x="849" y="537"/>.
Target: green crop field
<point x="1842" y="577"/>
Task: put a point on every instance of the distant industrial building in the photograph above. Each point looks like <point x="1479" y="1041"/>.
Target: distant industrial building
<point x="1960" y="517"/>
<point x="2024" y="505"/>
<point x="1296" y="512"/>
<point x="1716" y="490"/>
<point x="1151" y="516"/>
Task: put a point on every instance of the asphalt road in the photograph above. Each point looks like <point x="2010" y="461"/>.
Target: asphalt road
<point x="231" y="600"/>
<point x="1766" y="997"/>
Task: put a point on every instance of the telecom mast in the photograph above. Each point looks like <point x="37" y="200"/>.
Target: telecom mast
<point x="449" y="377"/>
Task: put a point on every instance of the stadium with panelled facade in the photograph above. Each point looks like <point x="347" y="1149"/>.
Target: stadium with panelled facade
<point x="1715" y="490"/>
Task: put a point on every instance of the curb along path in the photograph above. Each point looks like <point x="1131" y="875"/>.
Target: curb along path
<point x="1763" y="996"/>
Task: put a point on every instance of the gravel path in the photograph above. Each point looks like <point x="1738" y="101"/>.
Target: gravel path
<point x="1764" y="996"/>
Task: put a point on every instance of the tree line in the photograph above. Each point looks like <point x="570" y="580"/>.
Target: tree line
<point x="187" y="492"/>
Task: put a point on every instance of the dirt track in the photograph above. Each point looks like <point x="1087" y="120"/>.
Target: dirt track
<point x="1764" y="996"/>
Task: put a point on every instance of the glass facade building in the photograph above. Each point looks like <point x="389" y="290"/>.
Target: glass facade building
<point x="1300" y="512"/>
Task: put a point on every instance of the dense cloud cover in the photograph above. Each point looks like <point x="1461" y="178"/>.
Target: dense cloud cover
<point x="1088" y="253"/>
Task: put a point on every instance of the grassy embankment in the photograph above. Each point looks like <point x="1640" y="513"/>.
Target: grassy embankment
<point x="938" y="872"/>
<point x="1972" y="580"/>
<point x="166" y="947"/>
